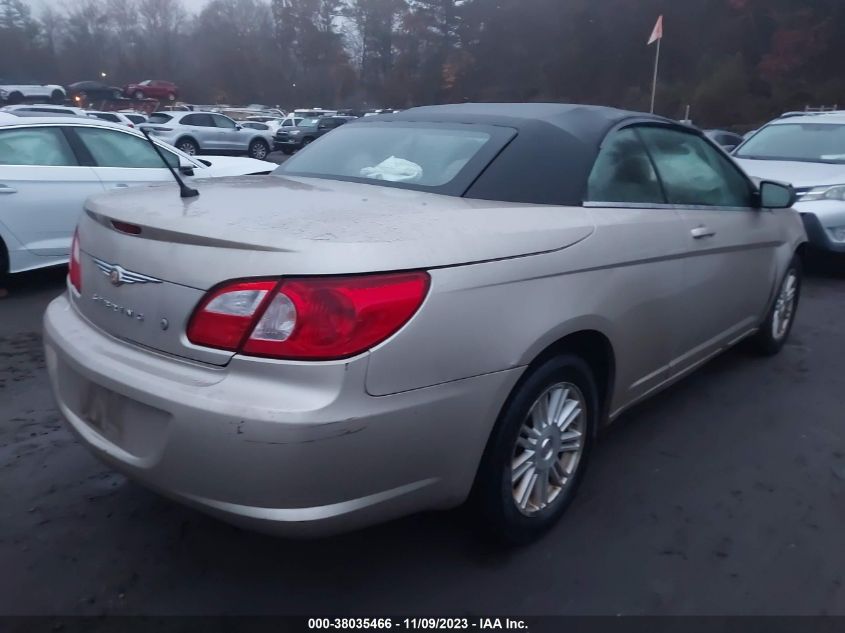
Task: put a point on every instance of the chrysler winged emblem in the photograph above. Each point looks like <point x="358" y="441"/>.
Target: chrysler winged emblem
<point x="118" y="275"/>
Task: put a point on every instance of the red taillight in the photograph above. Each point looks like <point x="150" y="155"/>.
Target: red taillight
<point x="75" y="270"/>
<point x="313" y="318"/>
<point x="225" y="316"/>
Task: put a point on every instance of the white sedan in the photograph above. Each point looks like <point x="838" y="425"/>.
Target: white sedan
<point x="50" y="165"/>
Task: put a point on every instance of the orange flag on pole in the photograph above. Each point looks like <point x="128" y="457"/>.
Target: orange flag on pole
<point x="656" y="36"/>
<point x="657" y="33"/>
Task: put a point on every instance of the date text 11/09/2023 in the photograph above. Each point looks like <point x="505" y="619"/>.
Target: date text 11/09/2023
<point x="413" y="624"/>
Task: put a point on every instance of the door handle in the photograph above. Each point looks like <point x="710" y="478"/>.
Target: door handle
<point x="702" y="232"/>
<point x="5" y="189"/>
<point x="120" y="185"/>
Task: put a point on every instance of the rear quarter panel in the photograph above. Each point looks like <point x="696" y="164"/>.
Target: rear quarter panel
<point x="622" y="281"/>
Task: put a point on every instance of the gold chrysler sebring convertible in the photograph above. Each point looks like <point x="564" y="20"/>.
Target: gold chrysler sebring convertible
<point x="417" y="309"/>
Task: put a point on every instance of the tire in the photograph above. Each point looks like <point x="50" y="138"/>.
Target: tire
<point x="57" y="98"/>
<point x="287" y="151"/>
<point x="4" y="261"/>
<point x="510" y="506"/>
<point x="189" y="146"/>
<point x="258" y="149"/>
<point x="138" y="95"/>
<point x="776" y="327"/>
<point x="307" y="141"/>
<point x="14" y="98"/>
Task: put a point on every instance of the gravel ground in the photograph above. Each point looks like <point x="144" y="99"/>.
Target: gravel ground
<point x="723" y="495"/>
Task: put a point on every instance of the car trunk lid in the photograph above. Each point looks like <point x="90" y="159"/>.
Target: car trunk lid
<point x="271" y="227"/>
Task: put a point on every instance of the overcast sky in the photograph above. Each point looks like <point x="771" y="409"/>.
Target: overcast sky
<point x="37" y="5"/>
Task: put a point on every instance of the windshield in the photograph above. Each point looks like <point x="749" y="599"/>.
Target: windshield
<point x="309" y="122"/>
<point x="807" y="142"/>
<point x="419" y="156"/>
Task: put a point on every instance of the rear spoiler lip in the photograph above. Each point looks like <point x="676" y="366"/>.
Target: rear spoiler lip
<point x="178" y="237"/>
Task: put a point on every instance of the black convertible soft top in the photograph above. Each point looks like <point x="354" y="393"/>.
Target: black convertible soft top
<point x="550" y="158"/>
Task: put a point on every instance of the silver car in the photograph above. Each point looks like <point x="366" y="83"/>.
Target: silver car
<point x="267" y="129"/>
<point x="807" y="150"/>
<point x="208" y="132"/>
<point x="416" y="308"/>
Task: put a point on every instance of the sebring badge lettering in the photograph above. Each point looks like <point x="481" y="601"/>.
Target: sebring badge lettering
<point x="114" y="307"/>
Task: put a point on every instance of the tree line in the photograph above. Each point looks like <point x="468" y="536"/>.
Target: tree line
<point x="733" y="62"/>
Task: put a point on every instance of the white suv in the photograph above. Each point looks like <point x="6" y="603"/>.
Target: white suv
<point x="16" y="92"/>
<point x="807" y="150"/>
<point x="200" y="132"/>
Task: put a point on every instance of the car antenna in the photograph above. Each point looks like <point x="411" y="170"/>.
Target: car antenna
<point x="184" y="190"/>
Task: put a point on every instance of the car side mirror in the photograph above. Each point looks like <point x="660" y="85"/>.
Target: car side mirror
<point x="185" y="168"/>
<point x="775" y="195"/>
<point x="238" y="126"/>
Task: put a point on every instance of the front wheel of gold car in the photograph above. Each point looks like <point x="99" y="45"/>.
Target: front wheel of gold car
<point x="536" y="457"/>
<point x="775" y="330"/>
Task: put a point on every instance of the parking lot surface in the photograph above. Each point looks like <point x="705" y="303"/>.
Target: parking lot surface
<point x="723" y="495"/>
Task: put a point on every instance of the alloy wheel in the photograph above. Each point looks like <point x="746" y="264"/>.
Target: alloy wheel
<point x="259" y="151"/>
<point x="785" y="306"/>
<point x="548" y="448"/>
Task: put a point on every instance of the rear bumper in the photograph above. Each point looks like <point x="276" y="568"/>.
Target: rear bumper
<point x="292" y="449"/>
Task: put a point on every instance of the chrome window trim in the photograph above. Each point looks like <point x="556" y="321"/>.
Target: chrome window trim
<point x="592" y="204"/>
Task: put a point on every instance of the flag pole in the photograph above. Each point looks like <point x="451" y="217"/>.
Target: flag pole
<point x="654" y="80"/>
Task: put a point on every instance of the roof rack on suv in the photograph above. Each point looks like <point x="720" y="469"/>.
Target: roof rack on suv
<point x="821" y="109"/>
<point x="809" y="110"/>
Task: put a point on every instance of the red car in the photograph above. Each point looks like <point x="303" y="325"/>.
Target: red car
<point x="152" y="89"/>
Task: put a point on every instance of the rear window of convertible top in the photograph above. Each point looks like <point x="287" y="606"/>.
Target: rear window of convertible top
<point x="422" y="156"/>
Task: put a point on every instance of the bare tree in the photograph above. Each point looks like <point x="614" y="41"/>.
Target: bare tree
<point x="88" y="40"/>
<point x="128" y="53"/>
<point x="161" y="23"/>
<point x="18" y="38"/>
<point x="376" y="23"/>
<point x="235" y="39"/>
<point x="316" y="64"/>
